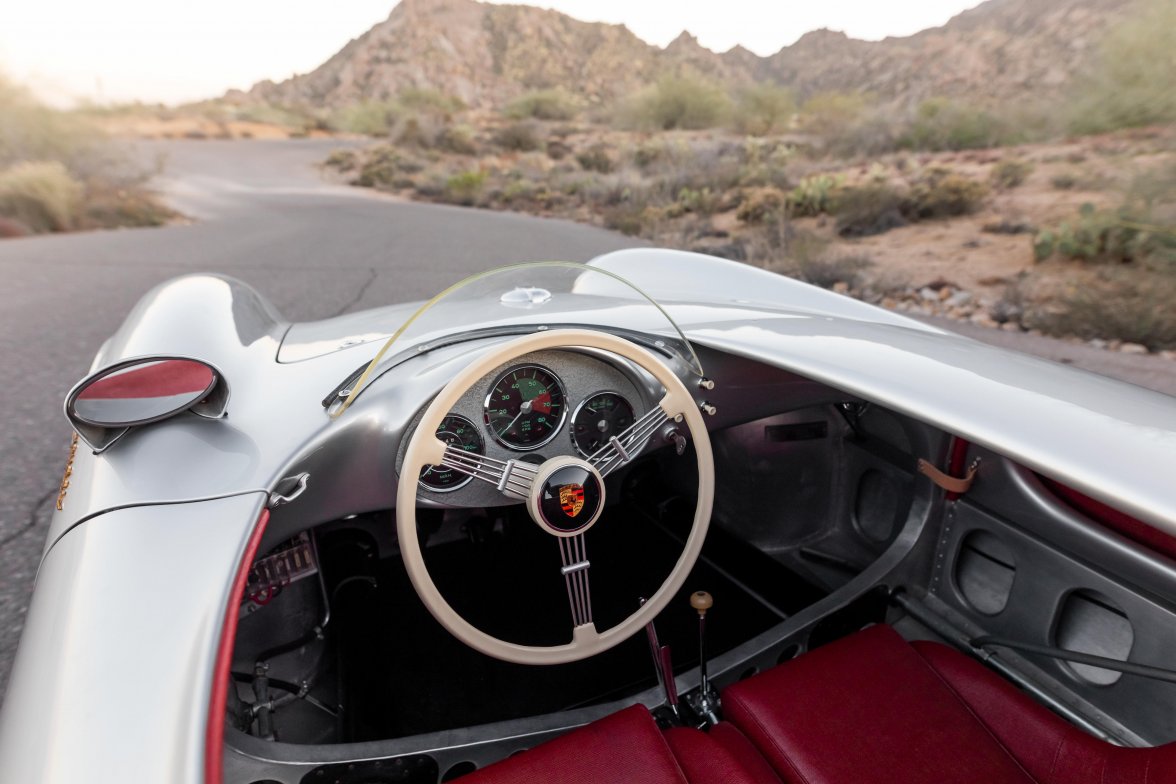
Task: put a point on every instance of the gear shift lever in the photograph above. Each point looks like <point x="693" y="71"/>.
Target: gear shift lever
<point x="706" y="702"/>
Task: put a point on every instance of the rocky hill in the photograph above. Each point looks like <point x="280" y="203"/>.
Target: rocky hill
<point x="487" y="54"/>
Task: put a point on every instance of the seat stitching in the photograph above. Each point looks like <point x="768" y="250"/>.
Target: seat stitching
<point x="746" y="710"/>
<point x="972" y="713"/>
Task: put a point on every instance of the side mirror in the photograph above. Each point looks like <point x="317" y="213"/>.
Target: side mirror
<point x="105" y="405"/>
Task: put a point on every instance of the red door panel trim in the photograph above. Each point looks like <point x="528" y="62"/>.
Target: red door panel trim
<point x="214" y="736"/>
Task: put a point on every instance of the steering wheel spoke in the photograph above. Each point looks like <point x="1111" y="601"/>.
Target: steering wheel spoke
<point x="573" y="551"/>
<point x="624" y="446"/>
<point x="512" y="478"/>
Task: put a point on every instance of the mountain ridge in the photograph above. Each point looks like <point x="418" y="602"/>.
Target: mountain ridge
<point x="486" y="55"/>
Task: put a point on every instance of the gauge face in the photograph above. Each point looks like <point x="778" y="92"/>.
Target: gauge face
<point x="456" y="431"/>
<point x="525" y="407"/>
<point x="599" y="418"/>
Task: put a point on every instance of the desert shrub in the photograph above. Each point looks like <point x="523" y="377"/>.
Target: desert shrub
<point x="700" y="201"/>
<point x="675" y="103"/>
<point x="1130" y="85"/>
<point x="814" y="195"/>
<point x="763" y="109"/>
<point x="465" y="187"/>
<point x="111" y="205"/>
<point x="650" y="152"/>
<point x="1141" y="230"/>
<point x="1010" y="173"/>
<point x="518" y="137"/>
<point x="370" y="118"/>
<point x="1064" y="182"/>
<point x="343" y="160"/>
<point x="869" y="209"/>
<point x="827" y="271"/>
<point x="765" y="163"/>
<point x="1109" y="237"/>
<point x="557" y="150"/>
<point x="457" y="139"/>
<point x="40" y="195"/>
<point x="429" y="100"/>
<point x="294" y="119"/>
<point x="628" y="218"/>
<point x="596" y="158"/>
<point x="760" y="205"/>
<point x="1107" y="302"/>
<point x="876" y="131"/>
<point x="941" y="193"/>
<point x="942" y="124"/>
<point x="30" y="131"/>
<point x="826" y="113"/>
<point x="852" y="124"/>
<point x="551" y="104"/>
<point x="386" y="167"/>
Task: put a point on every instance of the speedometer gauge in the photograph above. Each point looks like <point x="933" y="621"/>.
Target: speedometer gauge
<point x="456" y="431"/>
<point x="599" y="418"/>
<point x="525" y="407"/>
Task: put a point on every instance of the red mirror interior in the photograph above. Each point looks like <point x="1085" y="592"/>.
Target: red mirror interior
<point x="144" y="392"/>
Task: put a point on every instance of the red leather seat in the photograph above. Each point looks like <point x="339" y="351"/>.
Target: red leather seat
<point x="872" y="709"/>
<point x="628" y="748"/>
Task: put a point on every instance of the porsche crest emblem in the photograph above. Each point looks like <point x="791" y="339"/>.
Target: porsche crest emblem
<point x="571" y="499"/>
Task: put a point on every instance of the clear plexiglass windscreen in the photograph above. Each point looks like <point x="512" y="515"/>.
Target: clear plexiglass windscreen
<point x="524" y="298"/>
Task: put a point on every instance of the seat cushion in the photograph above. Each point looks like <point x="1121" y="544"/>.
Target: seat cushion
<point x="626" y="746"/>
<point x="867" y="708"/>
<point x="721" y="756"/>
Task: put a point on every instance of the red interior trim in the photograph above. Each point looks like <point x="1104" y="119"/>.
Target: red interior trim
<point x="214" y="736"/>
<point x="1109" y="517"/>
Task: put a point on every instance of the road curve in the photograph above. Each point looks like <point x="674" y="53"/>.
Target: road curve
<point x="263" y="213"/>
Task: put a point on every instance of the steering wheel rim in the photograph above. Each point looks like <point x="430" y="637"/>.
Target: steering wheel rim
<point x="425" y="449"/>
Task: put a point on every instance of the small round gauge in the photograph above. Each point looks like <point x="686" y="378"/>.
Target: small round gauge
<point x="525" y="407"/>
<point x="456" y="431"/>
<point x="597" y="419"/>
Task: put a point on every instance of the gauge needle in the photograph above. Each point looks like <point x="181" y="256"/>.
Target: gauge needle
<point x="525" y="408"/>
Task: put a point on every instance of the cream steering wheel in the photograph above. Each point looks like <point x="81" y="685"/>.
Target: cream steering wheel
<point x="557" y="493"/>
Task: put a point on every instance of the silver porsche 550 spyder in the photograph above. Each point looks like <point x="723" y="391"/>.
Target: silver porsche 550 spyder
<point x="659" y="518"/>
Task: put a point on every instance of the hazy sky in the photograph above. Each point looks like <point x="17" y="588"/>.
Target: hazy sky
<point x="164" y="50"/>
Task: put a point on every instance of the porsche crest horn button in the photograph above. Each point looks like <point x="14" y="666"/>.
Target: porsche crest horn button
<point x="567" y="497"/>
<point x="571" y="499"/>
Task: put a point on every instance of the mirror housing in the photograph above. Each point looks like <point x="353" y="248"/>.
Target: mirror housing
<point x="103" y="406"/>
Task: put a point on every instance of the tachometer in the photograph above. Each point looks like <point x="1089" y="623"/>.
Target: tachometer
<point x="456" y="431"/>
<point x="525" y="407"/>
<point x="599" y="418"/>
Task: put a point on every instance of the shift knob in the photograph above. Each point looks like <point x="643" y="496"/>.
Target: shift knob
<point x="701" y="601"/>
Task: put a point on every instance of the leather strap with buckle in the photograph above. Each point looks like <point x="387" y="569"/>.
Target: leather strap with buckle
<point x="952" y="484"/>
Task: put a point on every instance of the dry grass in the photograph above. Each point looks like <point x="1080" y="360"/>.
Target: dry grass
<point x="59" y="173"/>
<point x="41" y="196"/>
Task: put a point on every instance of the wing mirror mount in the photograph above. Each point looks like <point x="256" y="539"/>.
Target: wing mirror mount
<point x="103" y="406"/>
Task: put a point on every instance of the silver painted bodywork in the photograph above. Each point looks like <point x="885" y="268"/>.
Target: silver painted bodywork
<point x="138" y="563"/>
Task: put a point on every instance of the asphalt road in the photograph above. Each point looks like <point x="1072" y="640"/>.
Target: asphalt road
<point x="262" y="213"/>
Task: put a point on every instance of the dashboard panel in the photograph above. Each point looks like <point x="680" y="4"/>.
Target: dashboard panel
<point x="539" y="406"/>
